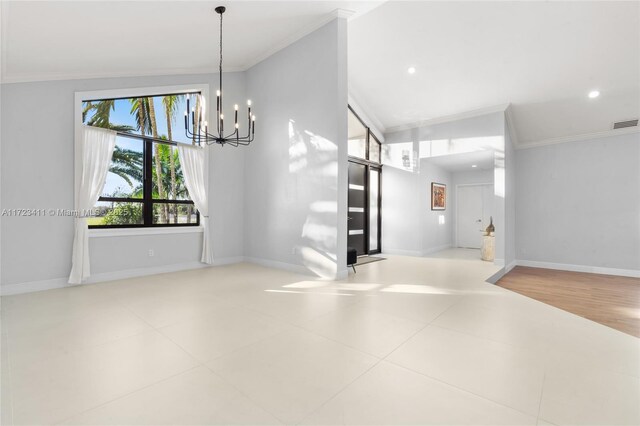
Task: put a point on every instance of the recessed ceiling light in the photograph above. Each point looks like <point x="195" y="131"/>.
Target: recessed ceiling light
<point x="475" y="165"/>
<point x="594" y="94"/>
<point x="411" y="70"/>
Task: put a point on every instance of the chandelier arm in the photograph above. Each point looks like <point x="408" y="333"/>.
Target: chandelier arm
<point x="232" y="134"/>
<point x="198" y="130"/>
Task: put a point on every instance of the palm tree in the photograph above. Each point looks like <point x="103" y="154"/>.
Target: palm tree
<point x="144" y="112"/>
<point x="127" y="164"/>
<point x="170" y="108"/>
<point x="100" y="115"/>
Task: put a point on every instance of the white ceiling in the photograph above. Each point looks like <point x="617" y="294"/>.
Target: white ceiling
<point x="463" y="162"/>
<point x="542" y="57"/>
<point x="44" y="40"/>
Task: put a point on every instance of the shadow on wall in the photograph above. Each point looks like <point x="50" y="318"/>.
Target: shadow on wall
<point x="313" y="164"/>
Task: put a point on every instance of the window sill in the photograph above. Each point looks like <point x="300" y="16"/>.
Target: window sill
<point x="126" y="232"/>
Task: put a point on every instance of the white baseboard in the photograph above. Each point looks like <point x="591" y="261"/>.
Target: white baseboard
<point x="298" y="269"/>
<point x="435" y="249"/>
<point x="31" y="286"/>
<point x="140" y="272"/>
<point x="496" y="277"/>
<point x="580" y="268"/>
<point x="503" y="270"/>
<point x="510" y="266"/>
<point x="398" y="252"/>
<point x="342" y="274"/>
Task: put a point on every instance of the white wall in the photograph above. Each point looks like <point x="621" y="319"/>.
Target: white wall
<point x="437" y="225"/>
<point x="406" y="194"/>
<point x="37" y="172"/>
<point x="510" y="180"/>
<point x="409" y="226"/>
<point x="471" y="177"/>
<point x="578" y="203"/>
<point x="296" y="171"/>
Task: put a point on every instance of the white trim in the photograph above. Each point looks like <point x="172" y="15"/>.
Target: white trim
<point x="31" y="286"/>
<point x="299" y="269"/>
<point x="366" y="114"/>
<point x="455" y="228"/>
<point x="511" y="126"/>
<point x="278" y="46"/>
<point x="342" y="274"/>
<point x="121" y="93"/>
<point x="449" y="118"/>
<point x="496" y="276"/>
<point x="510" y="266"/>
<point x="574" y="138"/>
<point x="125" y="232"/>
<point x="140" y="272"/>
<point x="400" y="252"/>
<point x="436" y="249"/>
<point x="128" y="74"/>
<point x="635" y="273"/>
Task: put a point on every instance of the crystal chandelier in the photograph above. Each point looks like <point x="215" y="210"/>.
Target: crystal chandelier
<point x="197" y="129"/>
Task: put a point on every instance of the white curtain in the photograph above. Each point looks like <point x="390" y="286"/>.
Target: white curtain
<point x="97" y="146"/>
<point x="192" y="161"/>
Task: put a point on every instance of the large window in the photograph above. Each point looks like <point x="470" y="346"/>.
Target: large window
<point x="362" y="142"/>
<point x="145" y="185"/>
<point x="364" y="221"/>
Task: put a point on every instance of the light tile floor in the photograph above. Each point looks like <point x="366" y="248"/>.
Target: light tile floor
<point x="403" y="341"/>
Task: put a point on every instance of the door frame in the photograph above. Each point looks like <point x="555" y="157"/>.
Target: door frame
<point x="367" y="210"/>
<point x="458" y="205"/>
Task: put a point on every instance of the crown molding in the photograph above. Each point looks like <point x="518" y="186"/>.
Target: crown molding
<point x="366" y="113"/>
<point x="580" y="137"/>
<point x="449" y="118"/>
<point x="335" y="14"/>
<point x="88" y="76"/>
<point x="511" y="126"/>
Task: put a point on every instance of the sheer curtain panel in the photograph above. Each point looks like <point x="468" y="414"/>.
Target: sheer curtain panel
<point x="97" y="147"/>
<point x="192" y="160"/>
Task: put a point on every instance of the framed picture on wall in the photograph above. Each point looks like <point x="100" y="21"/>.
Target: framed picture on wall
<point x="438" y="196"/>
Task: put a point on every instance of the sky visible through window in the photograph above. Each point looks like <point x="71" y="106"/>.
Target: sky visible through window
<point x="121" y="115"/>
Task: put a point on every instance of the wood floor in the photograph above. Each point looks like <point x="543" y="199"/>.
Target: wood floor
<point x="610" y="300"/>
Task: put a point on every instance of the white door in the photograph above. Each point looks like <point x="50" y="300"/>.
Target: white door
<point x="474" y="208"/>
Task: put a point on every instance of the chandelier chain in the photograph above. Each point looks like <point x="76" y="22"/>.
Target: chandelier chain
<point x="195" y="123"/>
<point x="221" y="43"/>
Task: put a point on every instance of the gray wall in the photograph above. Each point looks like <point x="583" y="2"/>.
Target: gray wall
<point x="37" y="172"/>
<point x="578" y="203"/>
<point x="295" y="175"/>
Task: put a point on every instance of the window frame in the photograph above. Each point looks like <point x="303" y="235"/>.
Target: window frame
<point x="147" y="201"/>
<point x="368" y="135"/>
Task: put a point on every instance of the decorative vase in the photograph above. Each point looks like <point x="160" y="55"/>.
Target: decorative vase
<point x="490" y="229"/>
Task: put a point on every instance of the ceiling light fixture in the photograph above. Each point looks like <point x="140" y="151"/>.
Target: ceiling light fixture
<point x="593" y="94"/>
<point x="474" y="165"/>
<point x="411" y="70"/>
<point x="197" y="129"/>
